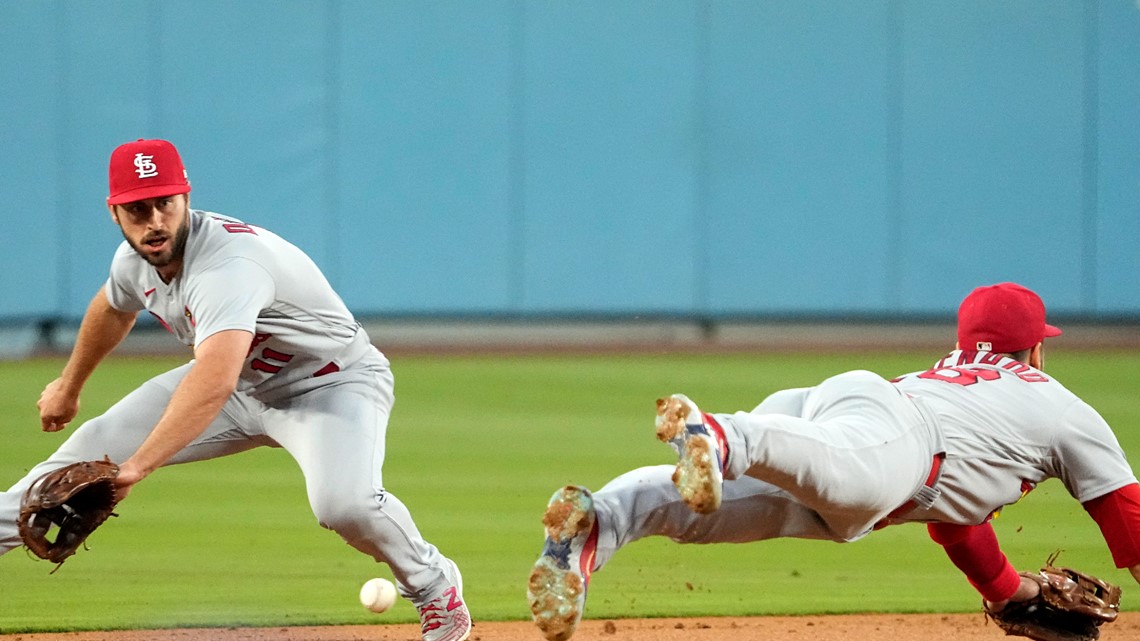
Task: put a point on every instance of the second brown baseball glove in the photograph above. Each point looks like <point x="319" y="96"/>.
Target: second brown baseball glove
<point x="1071" y="607"/>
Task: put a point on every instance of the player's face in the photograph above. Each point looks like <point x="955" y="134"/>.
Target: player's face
<point x="157" y="229"/>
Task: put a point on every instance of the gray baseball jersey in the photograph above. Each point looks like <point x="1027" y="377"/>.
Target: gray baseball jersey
<point x="238" y="276"/>
<point x="1008" y="427"/>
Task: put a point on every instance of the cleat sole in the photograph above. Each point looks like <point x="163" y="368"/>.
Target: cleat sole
<point x="556" y="591"/>
<point x="671" y="415"/>
<point x="695" y="477"/>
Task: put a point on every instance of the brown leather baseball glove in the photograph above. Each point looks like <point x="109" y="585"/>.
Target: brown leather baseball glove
<point x="1071" y="607"/>
<point x="76" y="499"/>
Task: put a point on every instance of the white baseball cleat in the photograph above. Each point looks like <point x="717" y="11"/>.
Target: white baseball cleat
<point x="699" y="476"/>
<point x="446" y="618"/>
<point x="557" y="586"/>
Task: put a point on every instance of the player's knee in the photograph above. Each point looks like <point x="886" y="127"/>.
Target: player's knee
<point x="789" y="402"/>
<point x="344" y="513"/>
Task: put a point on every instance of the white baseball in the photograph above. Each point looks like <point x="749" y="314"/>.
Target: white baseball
<point x="378" y="594"/>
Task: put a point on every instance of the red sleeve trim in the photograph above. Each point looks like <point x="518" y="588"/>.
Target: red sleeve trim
<point x="947" y="533"/>
<point x="974" y="550"/>
<point x="1118" y="515"/>
<point x="1002" y="587"/>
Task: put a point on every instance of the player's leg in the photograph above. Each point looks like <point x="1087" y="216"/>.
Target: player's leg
<point x="117" y="434"/>
<point x="584" y="530"/>
<point x="337" y="436"/>
<point x="788" y="401"/>
<point x="857" y="449"/>
<point x="644" y="502"/>
<point x="702" y="443"/>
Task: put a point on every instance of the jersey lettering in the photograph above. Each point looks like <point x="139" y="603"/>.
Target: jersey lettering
<point x="239" y="228"/>
<point x="971" y="375"/>
<point x="236" y="228"/>
<point x="990" y="358"/>
<point x="961" y="375"/>
<point x="258" y="338"/>
<point x="1025" y="373"/>
<point x="276" y="355"/>
<point x="263" y="363"/>
<point x="261" y="366"/>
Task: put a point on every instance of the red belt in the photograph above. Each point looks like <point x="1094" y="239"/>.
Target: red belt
<point x="931" y="479"/>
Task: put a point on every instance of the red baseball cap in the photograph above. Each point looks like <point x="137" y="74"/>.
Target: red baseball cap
<point x="146" y="169"/>
<point x="1003" y="318"/>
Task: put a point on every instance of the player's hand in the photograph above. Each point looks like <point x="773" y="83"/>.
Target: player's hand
<point x="1028" y="589"/>
<point x="58" y="406"/>
<point x="129" y="474"/>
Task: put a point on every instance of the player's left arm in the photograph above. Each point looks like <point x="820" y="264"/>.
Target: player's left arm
<point x="218" y="361"/>
<point x="1090" y="460"/>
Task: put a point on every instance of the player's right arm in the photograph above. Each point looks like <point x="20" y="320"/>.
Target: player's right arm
<point x="102" y="329"/>
<point x="974" y="550"/>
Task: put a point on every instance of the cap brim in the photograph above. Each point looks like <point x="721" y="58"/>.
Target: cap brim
<point x="1051" y="331"/>
<point x="153" y="191"/>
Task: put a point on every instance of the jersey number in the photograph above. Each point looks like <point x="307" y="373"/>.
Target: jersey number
<point x="270" y="360"/>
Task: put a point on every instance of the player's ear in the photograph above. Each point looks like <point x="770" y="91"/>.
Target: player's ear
<point x="114" y="214"/>
<point x="1037" y="356"/>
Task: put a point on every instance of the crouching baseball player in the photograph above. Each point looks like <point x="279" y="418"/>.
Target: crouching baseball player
<point x="278" y="361"/>
<point x="949" y="446"/>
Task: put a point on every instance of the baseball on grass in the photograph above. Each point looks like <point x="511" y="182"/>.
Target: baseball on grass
<point x="378" y="594"/>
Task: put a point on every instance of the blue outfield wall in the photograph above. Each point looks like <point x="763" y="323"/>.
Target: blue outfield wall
<point x="708" y="158"/>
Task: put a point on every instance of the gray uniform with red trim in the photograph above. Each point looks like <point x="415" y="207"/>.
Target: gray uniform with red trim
<point x="237" y="276"/>
<point x="312" y="384"/>
<point x="836" y="460"/>
<point x="1007" y="428"/>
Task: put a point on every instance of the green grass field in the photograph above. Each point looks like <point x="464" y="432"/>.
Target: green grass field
<point x="476" y="446"/>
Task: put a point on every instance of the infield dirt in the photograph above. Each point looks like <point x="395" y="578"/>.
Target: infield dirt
<point x="869" y="627"/>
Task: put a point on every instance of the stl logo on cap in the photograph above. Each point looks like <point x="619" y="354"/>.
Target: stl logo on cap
<point x="145" y="169"/>
<point x="145" y="166"/>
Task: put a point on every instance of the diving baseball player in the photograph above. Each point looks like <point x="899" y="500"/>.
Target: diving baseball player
<point x="278" y="361"/>
<point x="948" y="446"/>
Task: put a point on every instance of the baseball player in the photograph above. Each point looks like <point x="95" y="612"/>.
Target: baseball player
<point x="948" y="446"/>
<point x="278" y="361"/>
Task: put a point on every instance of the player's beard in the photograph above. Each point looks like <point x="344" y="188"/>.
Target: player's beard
<point x="174" y="254"/>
